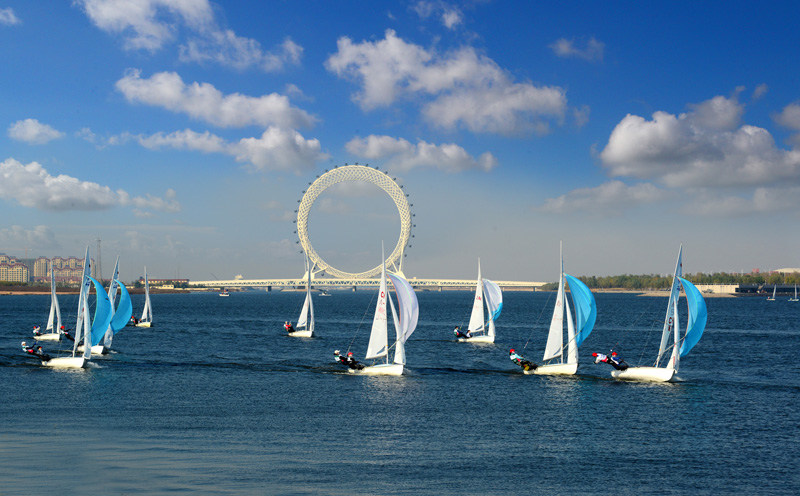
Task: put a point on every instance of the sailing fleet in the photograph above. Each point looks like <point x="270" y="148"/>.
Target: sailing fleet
<point x="573" y="319"/>
<point x="93" y="332"/>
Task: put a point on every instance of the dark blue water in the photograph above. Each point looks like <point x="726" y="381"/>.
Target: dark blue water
<point x="216" y="400"/>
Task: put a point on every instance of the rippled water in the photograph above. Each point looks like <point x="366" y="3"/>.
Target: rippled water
<point x="216" y="400"/>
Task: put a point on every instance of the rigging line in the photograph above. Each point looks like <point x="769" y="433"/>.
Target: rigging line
<point x="349" y="346"/>
<point x="539" y="319"/>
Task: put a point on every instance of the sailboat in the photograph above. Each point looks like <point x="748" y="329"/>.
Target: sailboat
<point x="481" y="331"/>
<point x="671" y="342"/>
<point x="795" y="294"/>
<point x="89" y="330"/>
<point x="122" y="314"/>
<point x="577" y="332"/>
<point x="305" y="323"/>
<point x="101" y="348"/>
<point x="774" y="291"/>
<point x="405" y="321"/>
<point x="52" y="333"/>
<point x="147" y="313"/>
<point x="224" y="292"/>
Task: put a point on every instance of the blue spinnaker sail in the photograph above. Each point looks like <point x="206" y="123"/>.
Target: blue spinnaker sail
<point x="494" y="298"/>
<point x="697" y="316"/>
<point x="124" y="310"/>
<point x="409" y="307"/>
<point x="585" y="308"/>
<point x="102" y="313"/>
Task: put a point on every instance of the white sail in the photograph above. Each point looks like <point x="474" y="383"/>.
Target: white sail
<point x="80" y="329"/>
<point x="147" y="313"/>
<point x="493" y="296"/>
<point x="671" y="325"/>
<point x="55" y="310"/>
<point x="476" y="322"/>
<point x="112" y="296"/>
<point x="378" y="340"/>
<point x="555" y="338"/>
<point x="405" y="318"/>
<point x="305" y="322"/>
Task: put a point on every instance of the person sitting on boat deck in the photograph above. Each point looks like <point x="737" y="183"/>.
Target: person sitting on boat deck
<point x="461" y="334"/>
<point x="288" y="326"/>
<point x="339" y="358"/>
<point x="520" y="360"/>
<point x="35" y="351"/>
<point x="41" y="354"/>
<point x="352" y="363"/>
<point x="613" y="360"/>
<point x="36" y="331"/>
<point x="134" y="320"/>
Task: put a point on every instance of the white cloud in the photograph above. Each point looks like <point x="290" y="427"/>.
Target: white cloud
<point x="789" y="116"/>
<point x="698" y="149"/>
<point x="151" y="24"/>
<point x="184" y="140"/>
<point x="203" y="101"/>
<point x="33" y="132"/>
<point x="279" y="149"/>
<point x="401" y="155"/>
<point x="449" y="15"/>
<point x="32" y="186"/>
<point x="760" y="91"/>
<point x="460" y="83"/>
<point x="593" y="51"/>
<point x="41" y="237"/>
<point x="7" y="17"/>
<point x="147" y="24"/>
<point x="609" y="198"/>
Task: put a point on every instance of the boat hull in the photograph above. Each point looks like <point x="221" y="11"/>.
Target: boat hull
<point x="477" y="339"/>
<point x="77" y="362"/>
<point x="301" y="334"/>
<point x="144" y="324"/>
<point x="554" y="369"/>
<point x="50" y="336"/>
<point x="382" y="369"/>
<point x="646" y="374"/>
<point x="96" y="350"/>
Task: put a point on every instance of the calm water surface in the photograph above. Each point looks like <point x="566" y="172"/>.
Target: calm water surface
<point x="216" y="400"/>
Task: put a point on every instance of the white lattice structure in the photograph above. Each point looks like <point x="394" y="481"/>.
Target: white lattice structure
<point x="355" y="173"/>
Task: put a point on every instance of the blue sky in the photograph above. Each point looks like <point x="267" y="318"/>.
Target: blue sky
<point x="183" y="132"/>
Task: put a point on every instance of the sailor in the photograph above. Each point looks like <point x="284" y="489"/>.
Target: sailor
<point x="36" y="331"/>
<point x="26" y="348"/>
<point x="339" y="358"/>
<point x="289" y="327"/>
<point x="461" y="334"/>
<point x="613" y="360"/>
<point x="41" y="354"/>
<point x="520" y="360"/>
<point x="352" y="363"/>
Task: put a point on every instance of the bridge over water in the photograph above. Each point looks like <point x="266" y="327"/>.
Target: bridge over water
<point x="354" y="284"/>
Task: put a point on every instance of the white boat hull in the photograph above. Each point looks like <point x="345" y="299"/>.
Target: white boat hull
<point x="144" y="324"/>
<point x="77" y="362"/>
<point x="301" y="334"/>
<point x="382" y="369"/>
<point x="477" y="339"/>
<point x="651" y="374"/>
<point x="50" y="336"/>
<point x="96" y="350"/>
<point x="554" y="369"/>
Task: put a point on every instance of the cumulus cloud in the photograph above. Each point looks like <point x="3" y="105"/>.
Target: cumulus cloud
<point x="610" y="198"/>
<point x="460" y="84"/>
<point x="762" y="201"/>
<point x="449" y="15"/>
<point x="276" y="149"/>
<point x="33" y="132"/>
<point x="705" y="147"/>
<point x="593" y="51"/>
<point x="401" y="155"/>
<point x="789" y="117"/>
<point x="203" y="101"/>
<point x="34" y="187"/>
<point x="7" y="17"/>
<point x="151" y="24"/>
<point x="760" y="91"/>
<point x="41" y="237"/>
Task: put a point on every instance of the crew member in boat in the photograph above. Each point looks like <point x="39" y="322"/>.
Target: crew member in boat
<point x="36" y="331"/>
<point x="613" y="360"/>
<point x="520" y="360"/>
<point x="66" y="333"/>
<point x="35" y="351"/>
<point x="352" y="363"/>
<point x="288" y="326"/>
<point x="339" y="357"/>
<point x="134" y="320"/>
<point x="461" y="334"/>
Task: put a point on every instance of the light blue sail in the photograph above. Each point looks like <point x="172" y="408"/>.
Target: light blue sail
<point x="585" y="308"/>
<point x="124" y="310"/>
<point x="409" y="306"/>
<point x="697" y="316"/>
<point x="102" y="313"/>
<point x="494" y="298"/>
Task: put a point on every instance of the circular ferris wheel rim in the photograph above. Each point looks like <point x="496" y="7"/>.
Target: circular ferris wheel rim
<point x="354" y="173"/>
